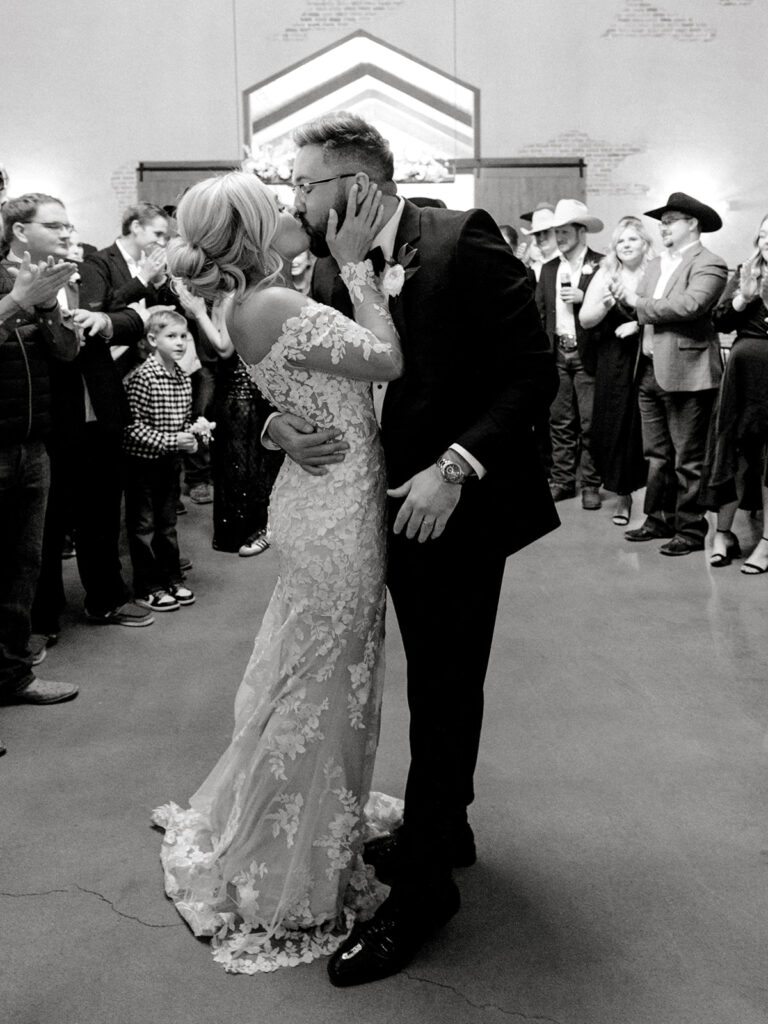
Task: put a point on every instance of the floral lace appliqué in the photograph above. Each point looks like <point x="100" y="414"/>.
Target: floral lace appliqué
<point x="266" y="860"/>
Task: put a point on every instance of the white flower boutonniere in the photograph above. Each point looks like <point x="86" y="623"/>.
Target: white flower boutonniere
<point x="397" y="272"/>
<point x="587" y="269"/>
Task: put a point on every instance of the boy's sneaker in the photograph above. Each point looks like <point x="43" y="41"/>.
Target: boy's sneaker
<point x="159" y="601"/>
<point x="183" y="594"/>
<point x="128" y="614"/>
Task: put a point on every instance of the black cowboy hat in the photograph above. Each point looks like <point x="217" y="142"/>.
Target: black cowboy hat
<point x="708" y="219"/>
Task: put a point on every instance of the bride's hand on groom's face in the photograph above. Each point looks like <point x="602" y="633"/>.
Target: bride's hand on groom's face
<point x="428" y="505"/>
<point x="351" y="242"/>
<point x="313" y="450"/>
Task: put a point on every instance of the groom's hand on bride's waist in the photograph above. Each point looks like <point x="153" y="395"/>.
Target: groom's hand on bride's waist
<point x="311" y="449"/>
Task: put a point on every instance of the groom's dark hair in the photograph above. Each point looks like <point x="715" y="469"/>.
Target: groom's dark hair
<point x="345" y="136"/>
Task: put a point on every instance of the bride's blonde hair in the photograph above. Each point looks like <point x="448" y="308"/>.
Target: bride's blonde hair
<point x="226" y="228"/>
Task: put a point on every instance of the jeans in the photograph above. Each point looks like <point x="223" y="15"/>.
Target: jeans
<point x="674" y="425"/>
<point x="24" y="483"/>
<point x="151" y="494"/>
<point x="570" y="423"/>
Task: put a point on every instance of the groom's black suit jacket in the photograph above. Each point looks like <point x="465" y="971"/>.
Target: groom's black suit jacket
<point x="478" y="370"/>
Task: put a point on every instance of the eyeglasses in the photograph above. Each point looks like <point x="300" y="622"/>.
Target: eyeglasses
<point x="54" y="225"/>
<point x="304" y="186"/>
<point x="666" y="221"/>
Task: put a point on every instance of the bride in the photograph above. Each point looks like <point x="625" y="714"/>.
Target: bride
<point x="266" y="859"/>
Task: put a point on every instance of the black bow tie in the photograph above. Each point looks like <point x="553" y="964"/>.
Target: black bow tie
<point x="376" y="256"/>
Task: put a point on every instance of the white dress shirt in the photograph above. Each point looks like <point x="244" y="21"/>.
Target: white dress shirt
<point x="565" y="321"/>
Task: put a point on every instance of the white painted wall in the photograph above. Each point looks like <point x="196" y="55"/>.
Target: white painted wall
<point x="92" y="86"/>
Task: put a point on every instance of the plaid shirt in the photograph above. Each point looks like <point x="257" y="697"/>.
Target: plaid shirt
<point x="161" y="406"/>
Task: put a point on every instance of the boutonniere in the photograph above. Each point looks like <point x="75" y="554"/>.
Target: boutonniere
<point x="587" y="269"/>
<point x="397" y="271"/>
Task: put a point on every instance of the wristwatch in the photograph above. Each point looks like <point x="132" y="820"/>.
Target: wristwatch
<point x="450" y="471"/>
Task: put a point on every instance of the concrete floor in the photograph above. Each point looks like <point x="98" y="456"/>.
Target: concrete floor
<point x="621" y="811"/>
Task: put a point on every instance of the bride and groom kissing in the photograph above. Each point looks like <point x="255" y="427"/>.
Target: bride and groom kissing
<point x="432" y="394"/>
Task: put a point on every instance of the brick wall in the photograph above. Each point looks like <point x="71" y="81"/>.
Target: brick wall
<point x="336" y="16"/>
<point x="124" y="185"/>
<point x="602" y="158"/>
<point x="640" y="18"/>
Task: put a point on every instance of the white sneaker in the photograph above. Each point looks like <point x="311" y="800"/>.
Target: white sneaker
<point x="159" y="601"/>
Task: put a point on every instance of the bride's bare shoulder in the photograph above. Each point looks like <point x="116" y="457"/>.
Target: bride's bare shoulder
<point x="256" y="322"/>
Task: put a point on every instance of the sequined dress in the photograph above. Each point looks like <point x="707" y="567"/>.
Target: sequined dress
<point x="266" y="860"/>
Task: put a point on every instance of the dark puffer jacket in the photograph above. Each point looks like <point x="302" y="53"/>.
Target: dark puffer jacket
<point x="28" y="341"/>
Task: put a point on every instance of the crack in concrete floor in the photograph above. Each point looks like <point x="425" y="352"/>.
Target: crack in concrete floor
<point x="408" y="974"/>
<point x="91" y="892"/>
<point x="482" y="1006"/>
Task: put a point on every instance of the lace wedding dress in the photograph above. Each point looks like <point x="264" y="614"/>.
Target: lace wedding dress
<point x="267" y="858"/>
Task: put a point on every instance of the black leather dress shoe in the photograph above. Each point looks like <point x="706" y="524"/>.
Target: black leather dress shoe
<point x="682" y="546"/>
<point x="386" y="944"/>
<point x="383" y="853"/>
<point x="649" y="532"/>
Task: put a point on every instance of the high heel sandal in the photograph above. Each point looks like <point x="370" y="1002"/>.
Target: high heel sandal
<point x="732" y="550"/>
<point x="752" y="569"/>
<point x="621" y="516"/>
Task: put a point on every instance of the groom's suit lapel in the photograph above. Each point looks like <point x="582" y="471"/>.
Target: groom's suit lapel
<point x="408" y="233"/>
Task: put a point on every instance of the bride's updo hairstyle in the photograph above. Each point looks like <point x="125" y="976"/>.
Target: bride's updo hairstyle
<point x="226" y="226"/>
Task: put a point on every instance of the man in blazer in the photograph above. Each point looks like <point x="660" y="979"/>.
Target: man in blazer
<point x="131" y="270"/>
<point x="680" y="368"/>
<point x="90" y="410"/>
<point x="466" y="490"/>
<point x="559" y="295"/>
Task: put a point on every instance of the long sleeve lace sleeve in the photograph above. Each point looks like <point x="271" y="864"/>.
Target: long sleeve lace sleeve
<point x="323" y="339"/>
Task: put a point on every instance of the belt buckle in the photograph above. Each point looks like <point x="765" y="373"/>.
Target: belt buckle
<point x="566" y="343"/>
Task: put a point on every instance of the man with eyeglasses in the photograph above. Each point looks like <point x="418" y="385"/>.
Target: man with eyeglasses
<point x="466" y="488"/>
<point x="89" y="410"/>
<point x="32" y="336"/>
<point x="680" y="370"/>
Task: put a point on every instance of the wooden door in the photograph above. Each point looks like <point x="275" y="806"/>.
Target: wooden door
<point x="164" y="183"/>
<point x="509" y="188"/>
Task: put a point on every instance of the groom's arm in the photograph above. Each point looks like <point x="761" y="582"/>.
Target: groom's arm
<point x="511" y="359"/>
<point x="508" y="359"/>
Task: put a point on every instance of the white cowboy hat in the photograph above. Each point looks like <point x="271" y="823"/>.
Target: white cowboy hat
<point x="571" y="211"/>
<point x="541" y="220"/>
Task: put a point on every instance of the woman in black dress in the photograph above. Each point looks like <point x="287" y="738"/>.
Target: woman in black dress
<point x="616" y="444"/>
<point x="736" y="470"/>
<point x="242" y="469"/>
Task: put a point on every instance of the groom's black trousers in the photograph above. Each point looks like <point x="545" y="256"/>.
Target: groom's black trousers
<point x="445" y="594"/>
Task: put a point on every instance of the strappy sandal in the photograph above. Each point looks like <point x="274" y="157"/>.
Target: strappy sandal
<point x="752" y="569"/>
<point x="254" y="545"/>
<point x="732" y="550"/>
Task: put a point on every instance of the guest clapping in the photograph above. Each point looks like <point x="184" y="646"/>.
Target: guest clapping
<point x="616" y="441"/>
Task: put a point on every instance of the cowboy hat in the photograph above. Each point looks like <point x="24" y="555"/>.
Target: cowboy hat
<point x="708" y="219"/>
<point x="539" y="206"/>
<point x="540" y="218"/>
<point x="571" y="211"/>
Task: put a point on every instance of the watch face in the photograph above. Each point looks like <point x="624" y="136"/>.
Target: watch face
<point x="451" y="471"/>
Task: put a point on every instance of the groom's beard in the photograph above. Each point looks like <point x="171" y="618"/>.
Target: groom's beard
<point x="318" y="246"/>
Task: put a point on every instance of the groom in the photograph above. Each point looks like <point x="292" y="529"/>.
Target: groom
<point x="466" y="491"/>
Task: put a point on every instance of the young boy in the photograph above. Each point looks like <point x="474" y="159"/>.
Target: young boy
<point x="160" y="396"/>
